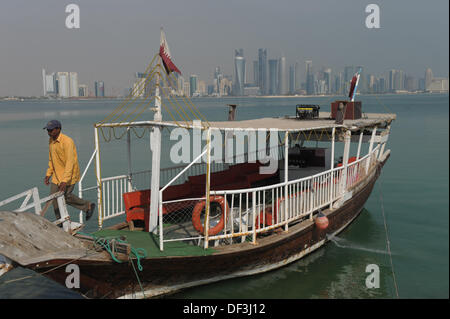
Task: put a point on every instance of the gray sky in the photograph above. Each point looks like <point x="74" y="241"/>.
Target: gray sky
<point x="117" y="38"/>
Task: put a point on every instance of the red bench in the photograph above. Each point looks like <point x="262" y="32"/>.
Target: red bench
<point x="137" y="203"/>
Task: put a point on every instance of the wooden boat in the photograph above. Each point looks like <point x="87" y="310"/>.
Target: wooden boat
<point x="210" y="220"/>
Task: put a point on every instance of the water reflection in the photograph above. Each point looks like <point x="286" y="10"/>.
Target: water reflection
<point x="330" y="272"/>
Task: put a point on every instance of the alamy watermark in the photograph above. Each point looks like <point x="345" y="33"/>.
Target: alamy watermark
<point x="73" y="279"/>
<point x="73" y="19"/>
<point x="373" y="19"/>
<point x="262" y="145"/>
<point x="373" y="279"/>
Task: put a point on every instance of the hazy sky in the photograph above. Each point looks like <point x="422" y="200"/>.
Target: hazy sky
<point x="117" y="38"/>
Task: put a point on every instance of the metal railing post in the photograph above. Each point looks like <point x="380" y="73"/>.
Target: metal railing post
<point x="372" y="139"/>
<point x="99" y="179"/>
<point x="286" y="177"/>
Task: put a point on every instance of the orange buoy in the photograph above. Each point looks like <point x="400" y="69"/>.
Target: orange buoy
<point x="196" y="220"/>
<point x="321" y="221"/>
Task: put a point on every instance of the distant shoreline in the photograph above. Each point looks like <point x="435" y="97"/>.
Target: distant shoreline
<point x="34" y="98"/>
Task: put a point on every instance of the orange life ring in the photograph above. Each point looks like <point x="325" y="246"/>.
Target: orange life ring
<point x="265" y="217"/>
<point x="268" y="214"/>
<point x="196" y="222"/>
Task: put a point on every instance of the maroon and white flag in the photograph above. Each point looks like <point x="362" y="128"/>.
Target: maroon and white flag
<point x="166" y="58"/>
<point x="354" y="85"/>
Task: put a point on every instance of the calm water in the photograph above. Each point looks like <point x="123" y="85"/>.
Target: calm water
<point x="414" y="188"/>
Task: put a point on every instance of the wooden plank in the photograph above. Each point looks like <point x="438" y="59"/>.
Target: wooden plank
<point x="26" y="236"/>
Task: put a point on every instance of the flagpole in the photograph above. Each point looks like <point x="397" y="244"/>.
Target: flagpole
<point x="158" y="116"/>
<point x="155" y="146"/>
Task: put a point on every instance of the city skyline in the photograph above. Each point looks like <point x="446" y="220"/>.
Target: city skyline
<point x="115" y="40"/>
<point x="324" y="81"/>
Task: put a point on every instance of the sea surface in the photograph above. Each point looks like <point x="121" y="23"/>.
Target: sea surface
<point x="412" y="192"/>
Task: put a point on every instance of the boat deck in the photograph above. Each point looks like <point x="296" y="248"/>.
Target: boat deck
<point x="150" y="243"/>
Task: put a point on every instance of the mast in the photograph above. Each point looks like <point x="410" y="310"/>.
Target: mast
<point x="155" y="146"/>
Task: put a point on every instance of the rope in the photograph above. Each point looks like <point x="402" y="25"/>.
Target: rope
<point x="175" y="108"/>
<point x="132" y="94"/>
<point x="382" y="104"/>
<point x="51" y="269"/>
<point x="105" y="243"/>
<point x="169" y="98"/>
<point x="190" y="102"/>
<point x="388" y="246"/>
<point x="134" y="97"/>
<point x="137" y="276"/>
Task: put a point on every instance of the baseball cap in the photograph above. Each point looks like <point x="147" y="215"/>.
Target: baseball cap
<point x="53" y="124"/>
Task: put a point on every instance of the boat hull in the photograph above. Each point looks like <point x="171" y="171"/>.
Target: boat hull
<point x="163" y="275"/>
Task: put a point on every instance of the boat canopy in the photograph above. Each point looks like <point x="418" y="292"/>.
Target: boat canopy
<point x="280" y="123"/>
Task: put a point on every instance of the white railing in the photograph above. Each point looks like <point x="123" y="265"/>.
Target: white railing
<point x="33" y="194"/>
<point x="112" y="190"/>
<point x="249" y="212"/>
<point x="305" y="195"/>
<point x="256" y="210"/>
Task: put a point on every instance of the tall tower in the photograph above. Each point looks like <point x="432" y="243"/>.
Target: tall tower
<point x="428" y="78"/>
<point x="43" y="82"/>
<point x="73" y="84"/>
<point x="282" y="80"/>
<point x="262" y="73"/>
<point x="292" y="79"/>
<point x="398" y="80"/>
<point x="239" y="69"/>
<point x="193" y="84"/>
<point x="63" y="84"/>
<point x="391" y="80"/>
<point x="255" y="73"/>
<point x="99" y="87"/>
<point x="328" y="80"/>
<point x="273" y="77"/>
<point x="309" y="78"/>
<point x="297" y="84"/>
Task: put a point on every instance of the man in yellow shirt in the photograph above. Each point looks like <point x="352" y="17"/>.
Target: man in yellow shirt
<point x="63" y="169"/>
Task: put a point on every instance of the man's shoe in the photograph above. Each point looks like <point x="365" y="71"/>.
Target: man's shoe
<point x="90" y="212"/>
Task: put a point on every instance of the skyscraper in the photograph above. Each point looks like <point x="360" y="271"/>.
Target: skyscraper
<point x="255" y="73"/>
<point x="63" y="84"/>
<point x="382" y="85"/>
<point x="338" y="83"/>
<point x="73" y="84"/>
<point x="180" y="85"/>
<point x="391" y="80"/>
<point x="273" y="77"/>
<point x="399" y="80"/>
<point x="262" y="70"/>
<point x="327" y="79"/>
<point x="396" y="80"/>
<point x="297" y="76"/>
<point x="291" y="79"/>
<point x="193" y="84"/>
<point x="239" y="69"/>
<point x="83" y="90"/>
<point x="428" y="78"/>
<point x="410" y="83"/>
<point x="282" y="77"/>
<point x="309" y="78"/>
<point x="218" y="77"/>
<point x="43" y="82"/>
<point x="49" y="83"/>
<point x="99" y="87"/>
